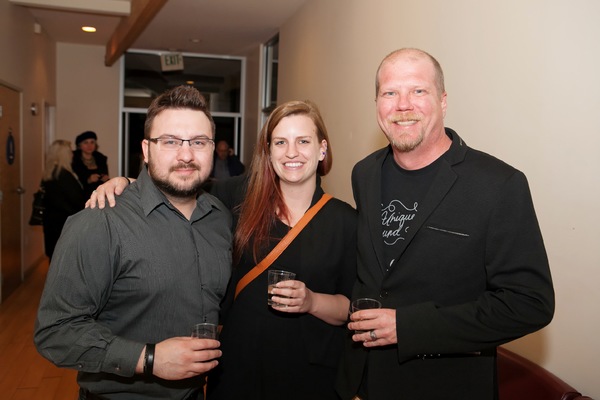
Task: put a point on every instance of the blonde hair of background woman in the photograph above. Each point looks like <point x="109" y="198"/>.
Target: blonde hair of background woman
<point x="58" y="157"/>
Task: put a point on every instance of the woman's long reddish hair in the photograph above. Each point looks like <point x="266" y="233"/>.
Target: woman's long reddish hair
<point x="264" y="203"/>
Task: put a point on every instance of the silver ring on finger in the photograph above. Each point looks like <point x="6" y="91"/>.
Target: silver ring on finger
<point x="373" y="335"/>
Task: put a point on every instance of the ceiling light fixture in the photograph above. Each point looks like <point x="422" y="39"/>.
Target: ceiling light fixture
<point x="88" y="29"/>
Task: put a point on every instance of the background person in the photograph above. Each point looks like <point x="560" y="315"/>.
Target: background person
<point x="127" y="284"/>
<point x="63" y="192"/>
<point x="88" y="163"/>
<point x="448" y="241"/>
<point x="226" y="164"/>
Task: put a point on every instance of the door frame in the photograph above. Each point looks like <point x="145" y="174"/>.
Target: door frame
<point x="18" y="151"/>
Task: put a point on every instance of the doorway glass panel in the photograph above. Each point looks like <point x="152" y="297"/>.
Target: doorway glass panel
<point x="219" y="79"/>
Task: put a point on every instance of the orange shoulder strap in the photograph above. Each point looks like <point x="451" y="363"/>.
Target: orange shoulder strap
<point x="282" y="245"/>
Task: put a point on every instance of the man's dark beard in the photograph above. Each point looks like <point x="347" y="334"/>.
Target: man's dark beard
<point x="169" y="189"/>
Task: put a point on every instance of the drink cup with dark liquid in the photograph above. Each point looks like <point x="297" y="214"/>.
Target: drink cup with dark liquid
<point x="364" y="304"/>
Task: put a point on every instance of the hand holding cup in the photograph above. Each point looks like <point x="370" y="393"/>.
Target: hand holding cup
<point x="364" y="304"/>
<point x="274" y="277"/>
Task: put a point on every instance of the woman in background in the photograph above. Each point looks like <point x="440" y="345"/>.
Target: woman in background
<point x="89" y="164"/>
<point x="64" y="193"/>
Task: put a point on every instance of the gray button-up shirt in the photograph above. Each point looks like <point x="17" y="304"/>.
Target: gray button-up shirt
<point x="125" y="276"/>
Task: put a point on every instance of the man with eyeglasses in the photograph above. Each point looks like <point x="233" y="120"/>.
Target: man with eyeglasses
<point x="127" y="284"/>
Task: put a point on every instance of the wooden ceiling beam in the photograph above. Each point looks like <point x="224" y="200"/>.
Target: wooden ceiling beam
<point x="142" y="13"/>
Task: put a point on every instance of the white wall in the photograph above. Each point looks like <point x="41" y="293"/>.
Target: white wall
<point x="522" y="80"/>
<point x="88" y="98"/>
<point x="27" y="64"/>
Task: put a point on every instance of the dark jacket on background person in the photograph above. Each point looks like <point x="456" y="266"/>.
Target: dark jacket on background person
<point x="472" y="275"/>
<point x="234" y="165"/>
<point x="83" y="172"/>
<point x="64" y="197"/>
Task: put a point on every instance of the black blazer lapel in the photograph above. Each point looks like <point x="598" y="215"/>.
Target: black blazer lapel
<point x="441" y="185"/>
<point x="373" y="206"/>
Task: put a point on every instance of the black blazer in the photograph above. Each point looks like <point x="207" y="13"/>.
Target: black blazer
<point x="234" y="165"/>
<point x="474" y="274"/>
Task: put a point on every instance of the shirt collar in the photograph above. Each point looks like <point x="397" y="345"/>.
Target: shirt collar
<point x="151" y="198"/>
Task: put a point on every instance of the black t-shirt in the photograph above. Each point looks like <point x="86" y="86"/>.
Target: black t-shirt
<point x="401" y="193"/>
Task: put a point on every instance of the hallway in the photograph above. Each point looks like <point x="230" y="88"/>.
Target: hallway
<point x="24" y="374"/>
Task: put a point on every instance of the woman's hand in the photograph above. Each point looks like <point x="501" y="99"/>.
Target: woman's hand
<point x="295" y="297"/>
<point x="93" y="178"/>
<point x="292" y="296"/>
<point x="107" y="191"/>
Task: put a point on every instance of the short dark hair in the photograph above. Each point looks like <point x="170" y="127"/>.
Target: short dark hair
<point x="180" y="97"/>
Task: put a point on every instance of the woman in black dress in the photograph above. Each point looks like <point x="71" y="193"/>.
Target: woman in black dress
<point x="64" y="193"/>
<point x="288" y="352"/>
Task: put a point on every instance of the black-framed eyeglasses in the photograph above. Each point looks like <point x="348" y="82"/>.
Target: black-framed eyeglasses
<point x="172" y="143"/>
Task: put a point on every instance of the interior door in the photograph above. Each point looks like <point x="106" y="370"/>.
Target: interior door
<point x="10" y="192"/>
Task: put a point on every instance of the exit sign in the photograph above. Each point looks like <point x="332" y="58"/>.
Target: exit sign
<point x="171" y="62"/>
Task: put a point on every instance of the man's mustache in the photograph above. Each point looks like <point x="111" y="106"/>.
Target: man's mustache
<point x="185" y="166"/>
<point x="405" y="118"/>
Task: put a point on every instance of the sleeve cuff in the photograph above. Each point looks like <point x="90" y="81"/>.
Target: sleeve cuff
<point x="122" y="357"/>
